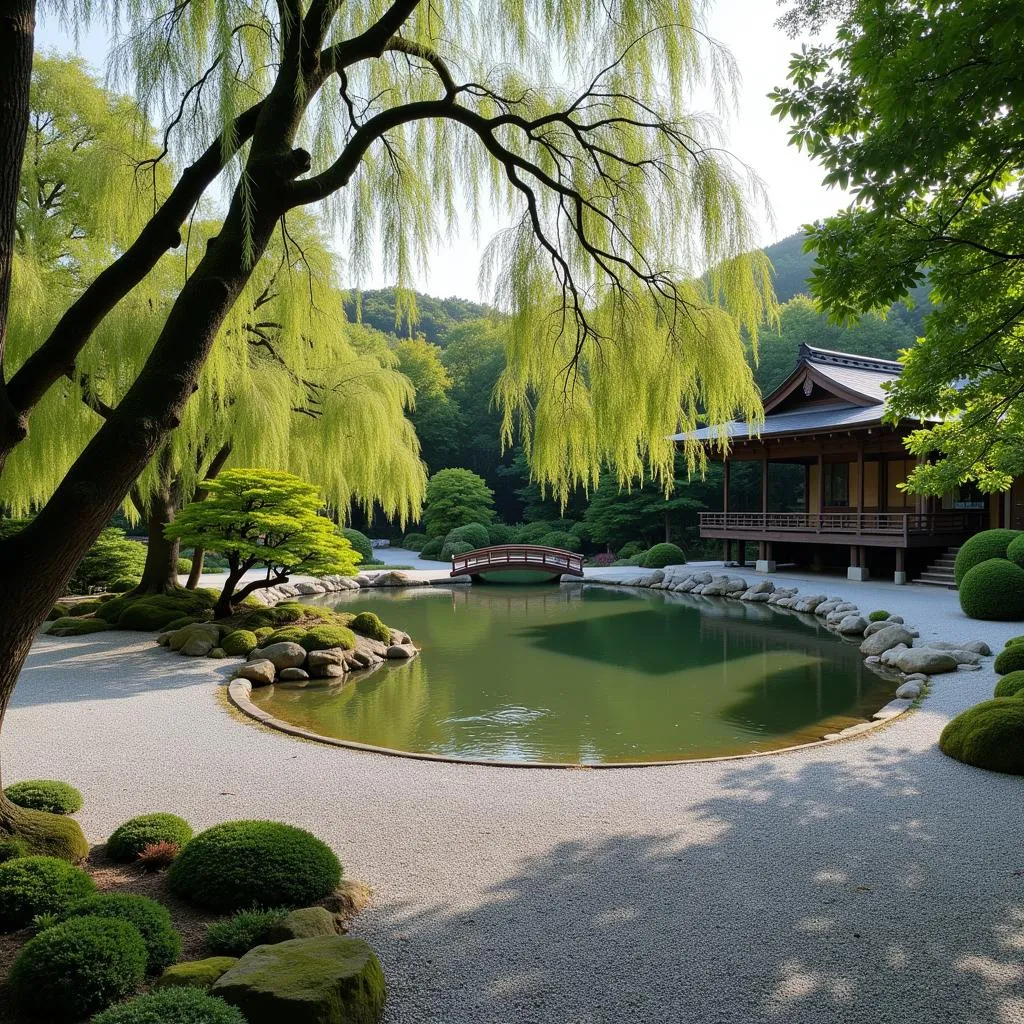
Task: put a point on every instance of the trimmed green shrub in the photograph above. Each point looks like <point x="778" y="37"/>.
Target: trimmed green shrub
<point x="980" y="548"/>
<point x="13" y="846"/>
<point x="163" y="943"/>
<point x="993" y="589"/>
<point x="129" y="612"/>
<point x="432" y="549"/>
<point x="1011" y="685"/>
<point x="455" y="497"/>
<point x="244" y="863"/>
<point x="989" y="735"/>
<point x="84" y="608"/>
<point x="184" y="566"/>
<point x="123" y="585"/>
<point x="369" y="624"/>
<point x="632" y="549"/>
<point x="663" y="554"/>
<point x="474" y="534"/>
<point x="240" y="932"/>
<point x="455" y="547"/>
<point x="561" y="539"/>
<point x="39" y="885"/>
<point x="279" y="615"/>
<point x="179" y="1005"/>
<point x="239" y="642"/>
<point x="501" y="533"/>
<point x="112" y="557"/>
<point x="1015" y="550"/>
<point x="286" y="635"/>
<point x="1010" y="659"/>
<point x="531" y="533"/>
<point x="360" y="542"/>
<point x="185" y="620"/>
<point x="414" y="541"/>
<point x="58" y="611"/>
<point x="327" y="637"/>
<point x="127" y="841"/>
<point x="77" y="627"/>
<point x="78" y="967"/>
<point x="45" y="795"/>
<point x="263" y="633"/>
<point x="879" y="616"/>
<point x="633" y="560"/>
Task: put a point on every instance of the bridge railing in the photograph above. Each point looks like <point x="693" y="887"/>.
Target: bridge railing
<point x="513" y="556"/>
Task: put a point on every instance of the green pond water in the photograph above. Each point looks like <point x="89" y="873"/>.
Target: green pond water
<point x="588" y="674"/>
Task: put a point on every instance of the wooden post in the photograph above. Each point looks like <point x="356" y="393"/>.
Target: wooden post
<point x="901" y="573"/>
<point x="725" y="506"/>
<point x="764" y="490"/>
<point x="821" y="485"/>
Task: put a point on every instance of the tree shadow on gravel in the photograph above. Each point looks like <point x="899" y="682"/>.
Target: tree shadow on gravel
<point x="892" y="890"/>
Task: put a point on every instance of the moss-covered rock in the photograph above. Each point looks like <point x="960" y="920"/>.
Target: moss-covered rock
<point x="330" y="979"/>
<point x="80" y="608"/>
<point x="1011" y="685"/>
<point x="196" y="973"/>
<point x="263" y="633"/>
<point x="369" y="624"/>
<point x="306" y="923"/>
<point x="328" y="637"/>
<point x="980" y="548"/>
<point x="993" y="589"/>
<point x="879" y="615"/>
<point x="51" y="835"/>
<point x="156" y="611"/>
<point x="989" y="735"/>
<point x="1010" y="659"/>
<point x="240" y="643"/>
<point x="58" y="611"/>
<point x="278" y="615"/>
<point x="128" y="840"/>
<point x="77" y="627"/>
<point x="45" y="795"/>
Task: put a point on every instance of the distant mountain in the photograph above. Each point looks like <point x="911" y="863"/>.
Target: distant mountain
<point x="376" y="308"/>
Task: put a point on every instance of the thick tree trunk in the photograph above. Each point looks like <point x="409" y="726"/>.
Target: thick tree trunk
<point x="199" y="554"/>
<point x="160" y="575"/>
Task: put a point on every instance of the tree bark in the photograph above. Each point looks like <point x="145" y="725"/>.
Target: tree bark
<point x="160" y="574"/>
<point x="198" y="555"/>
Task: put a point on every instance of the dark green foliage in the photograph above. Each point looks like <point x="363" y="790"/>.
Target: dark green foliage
<point x="989" y="735"/>
<point x="122" y="585"/>
<point x="163" y="943"/>
<point x="1011" y="685"/>
<point x="39" y="885"/>
<point x="432" y="549"/>
<point x="45" y="795"/>
<point x="980" y="548"/>
<point x="240" y="932"/>
<point x="475" y="534"/>
<point x="112" y="557"/>
<point x="993" y="589"/>
<point x="360" y="542"/>
<point x="631" y="549"/>
<point x="501" y="533"/>
<point x="378" y="308"/>
<point x="879" y="616"/>
<point x="243" y="863"/>
<point x="240" y="642"/>
<point x="531" y="533"/>
<point x="77" y="627"/>
<point x="1014" y="640"/>
<point x="454" y="547"/>
<point x="1010" y="659"/>
<point x="183" y="1005"/>
<point x="84" y="608"/>
<point x="414" y="541"/>
<point x="279" y="615"/>
<point x="185" y="620"/>
<point x="633" y="560"/>
<point x="456" y="497"/>
<point x="13" y="846"/>
<point x="78" y="967"/>
<point x="129" y="840"/>
<point x="563" y="540"/>
<point x="369" y="624"/>
<point x="663" y="554"/>
<point x="328" y="636"/>
<point x="1015" y="550"/>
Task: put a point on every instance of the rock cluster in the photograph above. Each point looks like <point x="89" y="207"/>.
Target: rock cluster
<point x="335" y="584"/>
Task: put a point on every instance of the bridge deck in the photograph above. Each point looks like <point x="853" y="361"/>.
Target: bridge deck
<point x="517" y="556"/>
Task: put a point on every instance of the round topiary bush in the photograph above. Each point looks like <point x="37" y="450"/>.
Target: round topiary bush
<point x="239" y="642"/>
<point x="989" y="735"/>
<point x="473" y="534"/>
<point x="13" y="846"/>
<point x="501" y="533"/>
<point x="75" y="968"/>
<point x="414" y="541"/>
<point x="183" y="1005"/>
<point x="163" y="943"/>
<point x="1015" y="550"/>
<point x="263" y="634"/>
<point x="1011" y="685"/>
<point x="455" y="547"/>
<point x="631" y="549"/>
<point x="432" y="549"/>
<point x="45" y="795"/>
<point x="980" y="548"/>
<point x="1010" y="659"/>
<point x="241" y="864"/>
<point x="879" y="616"/>
<point x="328" y="637"/>
<point x="369" y="624"/>
<point x="562" y="540"/>
<point x="993" y="590"/>
<point x="127" y="841"/>
<point x="184" y="566"/>
<point x="360" y="542"/>
<point x="663" y="554"/>
<point x="285" y="635"/>
<point x="39" y="885"/>
<point x="123" y="585"/>
<point x="240" y="932"/>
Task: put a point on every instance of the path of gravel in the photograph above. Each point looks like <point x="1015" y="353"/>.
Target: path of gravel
<point x="869" y="881"/>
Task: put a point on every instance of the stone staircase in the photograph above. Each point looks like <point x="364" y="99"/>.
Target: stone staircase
<point x="940" y="572"/>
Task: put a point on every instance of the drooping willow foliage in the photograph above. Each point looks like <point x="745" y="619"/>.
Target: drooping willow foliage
<point x="629" y="275"/>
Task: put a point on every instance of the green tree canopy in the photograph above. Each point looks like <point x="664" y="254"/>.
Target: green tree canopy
<point x="456" y="497"/>
<point x="263" y="519"/>
<point x="916" y="108"/>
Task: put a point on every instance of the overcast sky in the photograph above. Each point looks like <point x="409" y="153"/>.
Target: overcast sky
<point x="762" y="52"/>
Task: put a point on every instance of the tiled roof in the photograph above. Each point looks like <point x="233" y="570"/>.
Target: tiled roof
<point x="838" y="415"/>
<point x="861" y="374"/>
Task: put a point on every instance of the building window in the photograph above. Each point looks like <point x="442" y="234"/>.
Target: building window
<point x="837" y="484"/>
<point x="967" y="496"/>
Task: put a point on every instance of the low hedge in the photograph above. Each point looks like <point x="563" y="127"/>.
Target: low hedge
<point x="414" y="541"/>
<point x="980" y="548"/>
<point x="563" y="540"/>
<point x="240" y="643"/>
<point x="77" y="967"/>
<point x="432" y="549"/>
<point x="661" y="555"/>
<point x="369" y="624"/>
<point x="241" y="864"/>
<point x="631" y="549"/>
<point x="1010" y="659"/>
<point x="993" y="589"/>
<point x="172" y="1006"/>
<point x="163" y="943"/>
<point x="989" y="735"/>
<point x="1011" y="685"/>
<point x="127" y="841"/>
<point x="45" y="795"/>
<point x="501" y="533"/>
<point x="39" y="885"/>
<point x="241" y="932"/>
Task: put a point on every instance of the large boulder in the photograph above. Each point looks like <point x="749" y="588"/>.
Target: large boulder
<point x="976" y="646"/>
<point x="396" y="578"/>
<point x="293" y="675"/>
<point x="781" y="593"/>
<point x="881" y="640"/>
<point x="329" y="979"/>
<point x="283" y="655"/>
<point x="809" y="604"/>
<point x="205" y="631"/>
<point x="852" y="625"/>
<point x="400" y="651"/>
<point x="332" y="656"/>
<point x="196" y="973"/>
<point x="306" y="923"/>
<point x="924" y="659"/>
<point x="310" y="588"/>
<point x="259" y="673"/>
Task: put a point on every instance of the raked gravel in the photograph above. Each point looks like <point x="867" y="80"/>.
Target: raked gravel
<point x="873" y="880"/>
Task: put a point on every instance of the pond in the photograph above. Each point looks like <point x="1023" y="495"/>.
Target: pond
<point x="586" y="674"/>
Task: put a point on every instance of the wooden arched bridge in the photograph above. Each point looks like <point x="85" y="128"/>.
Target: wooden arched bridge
<point x="507" y="563"/>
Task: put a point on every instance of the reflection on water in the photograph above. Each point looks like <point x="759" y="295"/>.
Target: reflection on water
<point x="589" y="674"/>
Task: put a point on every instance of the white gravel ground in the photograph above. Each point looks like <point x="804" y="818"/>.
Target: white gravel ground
<point x="869" y="881"/>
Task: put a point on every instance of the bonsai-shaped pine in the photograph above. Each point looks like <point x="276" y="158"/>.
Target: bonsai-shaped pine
<point x="260" y="518"/>
<point x="456" y="497"/>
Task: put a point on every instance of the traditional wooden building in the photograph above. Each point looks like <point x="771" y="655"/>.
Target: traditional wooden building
<point x="826" y="417"/>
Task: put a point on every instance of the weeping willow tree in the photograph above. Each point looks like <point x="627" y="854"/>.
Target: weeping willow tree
<point x="628" y="278"/>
